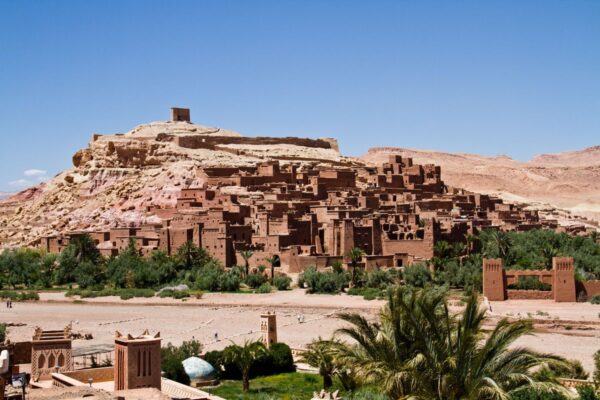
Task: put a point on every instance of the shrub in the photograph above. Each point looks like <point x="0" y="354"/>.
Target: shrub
<point x="282" y="282"/>
<point x="172" y="356"/>
<point x="323" y="282"/>
<point x="3" y="332"/>
<point x="19" y="296"/>
<point x="282" y="359"/>
<point x="278" y="359"/>
<point x="587" y="392"/>
<point x="530" y="283"/>
<point x="264" y="288"/>
<point x="595" y="300"/>
<point x="417" y="275"/>
<point x="379" y="279"/>
<point x="367" y="293"/>
<point x="176" y="294"/>
<point x="255" y="279"/>
<point x="215" y="358"/>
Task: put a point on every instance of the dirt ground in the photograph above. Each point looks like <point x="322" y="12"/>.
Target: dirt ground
<point x="568" y="329"/>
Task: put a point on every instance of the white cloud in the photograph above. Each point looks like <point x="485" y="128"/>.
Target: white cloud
<point x="34" y="172"/>
<point x="20" y="183"/>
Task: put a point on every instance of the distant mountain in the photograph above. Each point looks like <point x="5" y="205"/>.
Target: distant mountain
<point x="568" y="180"/>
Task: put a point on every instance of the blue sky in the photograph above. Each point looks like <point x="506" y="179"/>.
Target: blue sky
<point x="493" y="77"/>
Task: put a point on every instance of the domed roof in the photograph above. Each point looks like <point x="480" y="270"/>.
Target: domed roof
<point x="197" y="368"/>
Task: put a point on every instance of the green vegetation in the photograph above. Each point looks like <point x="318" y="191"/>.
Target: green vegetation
<point x="420" y="350"/>
<point x="530" y="283"/>
<point x="243" y="358"/>
<point x="3" y="332"/>
<point x="275" y="360"/>
<point x="535" y="249"/>
<point x="320" y="354"/>
<point x="124" y="294"/>
<point x="127" y="274"/>
<point x="323" y="282"/>
<point x="288" y="386"/>
<point x="282" y="282"/>
<point x="172" y="356"/>
<point x="18" y="295"/>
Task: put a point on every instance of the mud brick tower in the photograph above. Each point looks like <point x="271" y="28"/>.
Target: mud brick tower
<point x="137" y="361"/>
<point x="564" y="279"/>
<point x="494" y="282"/>
<point x="268" y="327"/>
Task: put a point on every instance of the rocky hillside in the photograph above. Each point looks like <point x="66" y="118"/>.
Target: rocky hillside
<point x="568" y="181"/>
<point x="119" y="176"/>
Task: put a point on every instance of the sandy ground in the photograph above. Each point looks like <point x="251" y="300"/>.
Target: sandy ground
<point x="570" y="329"/>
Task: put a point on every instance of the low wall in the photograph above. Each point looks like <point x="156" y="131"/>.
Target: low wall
<point x="590" y="288"/>
<point x="514" y="294"/>
<point x="209" y="142"/>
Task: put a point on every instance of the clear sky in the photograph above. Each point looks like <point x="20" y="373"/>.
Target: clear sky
<point x="491" y="77"/>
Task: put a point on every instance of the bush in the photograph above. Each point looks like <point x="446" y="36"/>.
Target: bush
<point x="530" y="283"/>
<point x="264" y="288"/>
<point x="281" y="358"/>
<point x="595" y="299"/>
<point x="367" y="293"/>
<point x="587" y="392"/>
<point x="282" y="282"/>
<point x="124" y="294"/>
<point x="537" y="394"/>
<point x="215" y="358"/>
<point x="255" y="280"/>
<point x="19" y="296"/>
<point x="417" y="275"/>
<point x="379" y="279"/>
<point x="278" y="359"/>
<point x="172" y="356"/>
<point x="176" y="294"/>
<point x="323" y="282"/>
<point x="3" y="332"/>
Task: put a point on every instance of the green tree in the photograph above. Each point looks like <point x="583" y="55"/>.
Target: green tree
<point x="191" y="256"/>
<point x="243" y="357"/>
<point x="355" y="255"/>
<point x="419" y="350"/>
<point x="320" y="354"/>
<point x="246" y="255"/>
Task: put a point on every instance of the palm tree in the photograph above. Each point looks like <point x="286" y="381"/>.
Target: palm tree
<point x="320" y="354"/>
<point x="85" y="249"/>
<point x="355" y="254"/>
<point x="243" y="357"/>
<point x="421" y="351"/>
<point x="189" y="255"/>
<point x="275" y="261"/>
<point x="548" y="252"/>
<point x="469" y="240"/>
<point x="246" y="255"/>
<point x="501" y="244"/>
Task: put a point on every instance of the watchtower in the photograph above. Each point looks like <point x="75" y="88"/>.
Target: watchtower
<point x="494" y="283"/>
<point x="137" y="361"/>
<point x="564" y="279"/>
<point x="268" y="327"/>
<point x="180" y="114"/>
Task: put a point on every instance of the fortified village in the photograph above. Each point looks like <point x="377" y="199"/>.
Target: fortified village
<point x="307" y="213"/>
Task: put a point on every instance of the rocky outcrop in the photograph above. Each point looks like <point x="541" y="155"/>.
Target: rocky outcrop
<point x="118" y="178"/>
